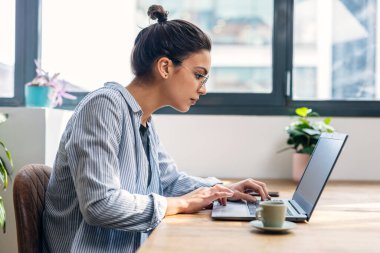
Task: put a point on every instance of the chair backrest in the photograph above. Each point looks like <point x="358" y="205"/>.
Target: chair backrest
<point x="29" y="189"/>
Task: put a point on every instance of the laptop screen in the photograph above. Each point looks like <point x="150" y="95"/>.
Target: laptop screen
<point x="318" y="170"/>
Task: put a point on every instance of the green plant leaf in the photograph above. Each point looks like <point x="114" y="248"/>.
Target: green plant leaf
<point x="7" y="153"/>
<point x="3" y="174"/>
<point x="311" y="131"/>
<point x="290" y="141"/>
<point x="304" y="133"/>
<point x="305" y="123"/>
<point x="3" y="117"/>
<point x="303" y="111"/>
<point x="327" y="121"/>
<point x="313" y="114"/>
<point x="308" y="150"/>
<point x="2" y="215"/>
<point x="295" y="133"/>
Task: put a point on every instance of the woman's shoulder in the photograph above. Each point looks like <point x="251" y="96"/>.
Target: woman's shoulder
<point x="107" y="95"/>
<point x="103" y="102"/>
<point x="109" y="90"/>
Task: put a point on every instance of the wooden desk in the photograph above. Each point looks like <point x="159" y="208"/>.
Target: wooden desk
<point x="346" y="219"/>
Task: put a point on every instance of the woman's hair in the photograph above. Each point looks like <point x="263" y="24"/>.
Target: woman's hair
<point x="175" y="39"/>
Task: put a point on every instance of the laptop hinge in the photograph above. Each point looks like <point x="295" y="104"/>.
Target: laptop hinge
<point x="297" y="207"/>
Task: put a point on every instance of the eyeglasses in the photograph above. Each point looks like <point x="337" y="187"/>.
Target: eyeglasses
<point x="198" y="76"/>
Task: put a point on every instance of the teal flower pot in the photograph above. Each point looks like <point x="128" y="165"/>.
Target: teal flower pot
<point x="38" y="96"/>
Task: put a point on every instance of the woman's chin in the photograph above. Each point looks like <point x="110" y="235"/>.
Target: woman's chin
<point x="182" y="109"/>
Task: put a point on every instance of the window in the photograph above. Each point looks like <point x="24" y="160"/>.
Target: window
<point x="7" y="47"/>
<point x="268" y="57"/>
<point x="18" y="48"/>
<point x="100" y="45"/>
<point x="335" y="54"/>
<point x="241" y="32"/>
<point x="88" y="42"/>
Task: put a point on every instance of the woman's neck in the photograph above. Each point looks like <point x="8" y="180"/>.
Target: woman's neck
<point x="147" y="96"/>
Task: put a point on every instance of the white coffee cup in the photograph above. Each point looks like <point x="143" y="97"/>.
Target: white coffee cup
<point x="272" y="213"/>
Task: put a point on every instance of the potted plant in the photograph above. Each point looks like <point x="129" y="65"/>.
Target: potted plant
<point x="6" y="168"/>
<point x="303" y="136"/>
<point x="45" y="90"/>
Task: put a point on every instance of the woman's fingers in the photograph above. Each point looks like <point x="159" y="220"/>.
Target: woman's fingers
<point x="258" y="186"/>
<point x="242" y="187"/>
<point x="219" y="195"/>
<point x="204" y="196"/>
<point x="222" y="201"/>
<point x="223" y="193"/>
<point x="222" y="188"/>
<point x="244" y="196"/>
<point x="264" y="187"/>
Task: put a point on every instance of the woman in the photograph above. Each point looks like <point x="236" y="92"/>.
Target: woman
<point x="113" y="181"/>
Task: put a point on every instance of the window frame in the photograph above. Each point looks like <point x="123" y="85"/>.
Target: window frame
<point x="229" y="103"/>
<point x="278" y="102"/>
<point x="26" y="49"/>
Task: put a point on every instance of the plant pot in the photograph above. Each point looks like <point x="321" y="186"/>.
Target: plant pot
<point x="299" y="164"/>
<point x="38" y="96"/>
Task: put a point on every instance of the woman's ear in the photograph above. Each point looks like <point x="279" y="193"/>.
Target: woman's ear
<point x="162" y="67"/>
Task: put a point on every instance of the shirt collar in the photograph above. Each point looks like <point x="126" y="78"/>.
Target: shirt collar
<point x="126" y="94"/>
<point x="131" y="101"/>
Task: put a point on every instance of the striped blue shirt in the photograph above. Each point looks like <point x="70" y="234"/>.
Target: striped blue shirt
<point x="98" y="198"/>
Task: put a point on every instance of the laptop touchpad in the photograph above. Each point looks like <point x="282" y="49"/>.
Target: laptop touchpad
<point x="232" y="209"/>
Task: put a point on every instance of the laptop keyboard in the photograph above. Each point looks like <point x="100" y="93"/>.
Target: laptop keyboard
<point x="252" y="206"/>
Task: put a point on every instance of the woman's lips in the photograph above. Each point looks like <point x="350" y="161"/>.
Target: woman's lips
<point x="193" y="101"/>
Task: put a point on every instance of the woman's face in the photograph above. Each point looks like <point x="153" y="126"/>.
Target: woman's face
<point x="187" y="82"/>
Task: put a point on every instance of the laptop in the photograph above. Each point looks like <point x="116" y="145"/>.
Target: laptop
<point x="309" y="188"/>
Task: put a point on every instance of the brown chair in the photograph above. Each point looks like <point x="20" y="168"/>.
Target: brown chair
<point x="29" y="189"/>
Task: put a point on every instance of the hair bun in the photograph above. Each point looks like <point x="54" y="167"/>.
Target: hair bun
<point x="158" y="12"/>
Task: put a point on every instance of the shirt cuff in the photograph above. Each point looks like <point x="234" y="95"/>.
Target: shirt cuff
<point x="160" y="206"/>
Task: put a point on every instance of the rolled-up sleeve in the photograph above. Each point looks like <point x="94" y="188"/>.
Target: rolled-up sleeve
<point x="175" y="182"/>
<point x="92" y="154"/>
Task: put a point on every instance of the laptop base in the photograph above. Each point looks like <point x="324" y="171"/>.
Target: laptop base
<point x="239" y="211"/>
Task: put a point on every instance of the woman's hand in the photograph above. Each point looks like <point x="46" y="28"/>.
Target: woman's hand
<point x="240" y="189"/>
<point x="198" y="199"/>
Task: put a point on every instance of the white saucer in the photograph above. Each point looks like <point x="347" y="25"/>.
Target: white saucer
<point x="285" y="227"/>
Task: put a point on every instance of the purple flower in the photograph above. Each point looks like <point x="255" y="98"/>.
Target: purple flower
<point x="59" y="86"/>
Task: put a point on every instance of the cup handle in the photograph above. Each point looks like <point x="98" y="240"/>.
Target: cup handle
<point x="258" y="213"/>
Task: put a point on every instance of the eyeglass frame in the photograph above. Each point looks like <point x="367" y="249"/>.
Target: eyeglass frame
<point x="203" y="82"/>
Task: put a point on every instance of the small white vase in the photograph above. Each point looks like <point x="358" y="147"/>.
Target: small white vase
<point x="299" y="164"/>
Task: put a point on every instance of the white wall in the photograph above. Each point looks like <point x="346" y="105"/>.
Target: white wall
<point x="32" y="136"/>
<point x="246" y="146"/>
<point x="222" y="146"/>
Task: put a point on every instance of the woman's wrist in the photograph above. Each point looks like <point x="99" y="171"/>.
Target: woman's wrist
<point x="175" y="205"/>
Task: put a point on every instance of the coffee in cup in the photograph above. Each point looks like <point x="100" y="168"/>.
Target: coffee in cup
<point x="272" y="213"/>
